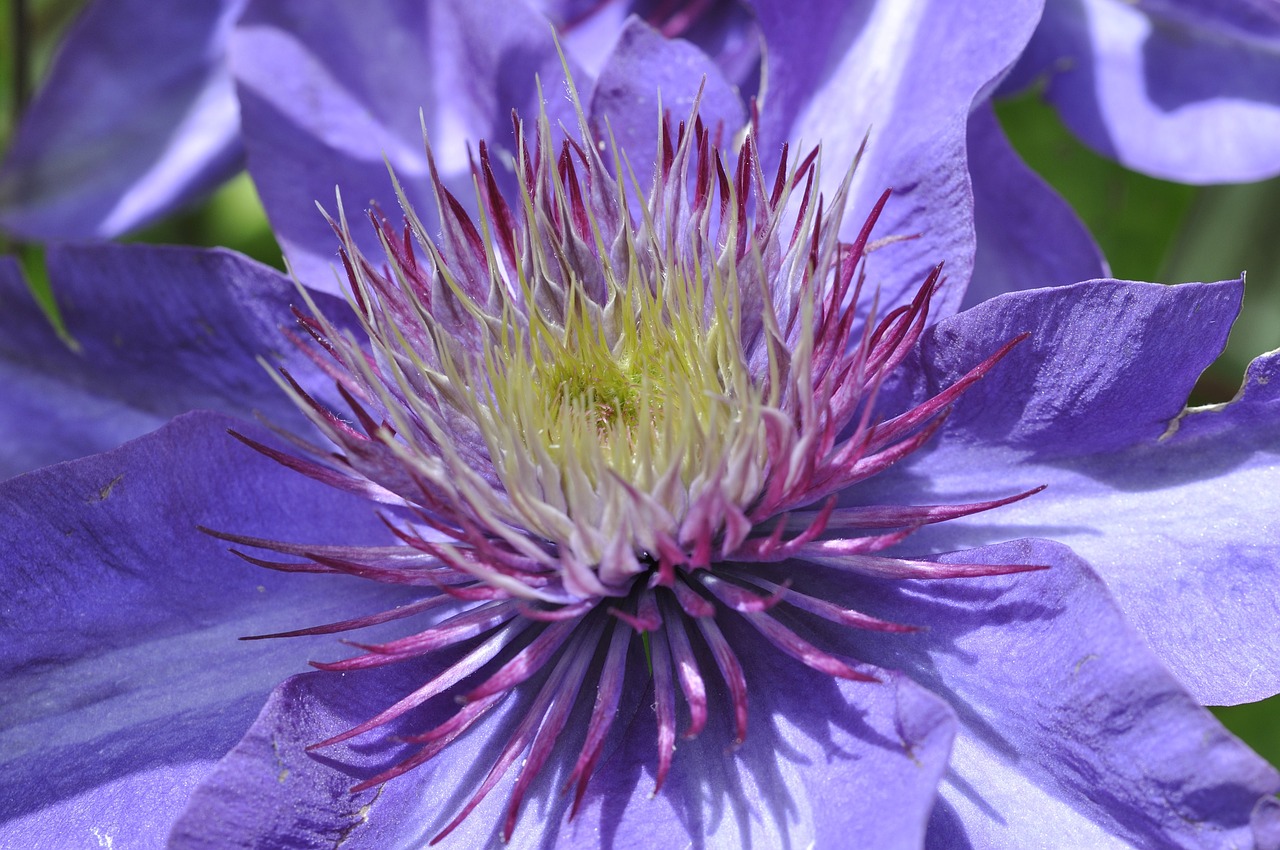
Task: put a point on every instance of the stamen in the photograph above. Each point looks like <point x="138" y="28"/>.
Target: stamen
<point x="596" y="417"/>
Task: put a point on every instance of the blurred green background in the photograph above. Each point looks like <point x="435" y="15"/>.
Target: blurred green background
<point x="1149" y="230"/>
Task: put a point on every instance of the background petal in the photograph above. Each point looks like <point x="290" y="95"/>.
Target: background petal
<point x="907" y="73"/>
<point x="725" y="30"/>
<point x="1176" y="513"/>
<point x="1072" y="732"/>
<point x="1028" y="236"/>
<point x="158" y="331"/>
<point x="1187" y="91"/>
<point x="644" y="69"/>
<point x="137" y="117"/>
<point x="124" y="678"/>
<point x="331" y="94"/>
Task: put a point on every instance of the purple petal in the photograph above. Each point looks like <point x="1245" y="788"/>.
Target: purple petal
<point x="724" y="30"/>
<point x="138" y="117"/>
<point x="1176" y="514"/>
<point x="1266" y="824"/>
<point x="1028" y="236"/>
<point x="908" y="73"/>
<point x="159" y="331"/>
<point x="124" y="678"/>
<point x="644" y="69"/>
<point x="1254" y="409"/>
<point x="45" y="418"/>
<point x="331" y="93"/>
<point x="1188" y="91"/>
<point x="1109" y="363"/>
<point x="823" y="762"/>
<point x="1072" y="732"/>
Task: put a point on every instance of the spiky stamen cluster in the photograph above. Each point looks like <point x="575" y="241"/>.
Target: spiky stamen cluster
<point x="600" y="420"/>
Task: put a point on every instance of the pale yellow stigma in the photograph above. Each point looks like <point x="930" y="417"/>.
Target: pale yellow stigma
<point x="645" y="391"/>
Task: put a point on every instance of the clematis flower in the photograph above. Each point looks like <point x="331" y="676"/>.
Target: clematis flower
<point x="1179" y="89"/>
<point x="1024" y="239"/>
<point x="1044" y="712"/>
<point x="601" y="424"/>
<point x="1023" y="708"/>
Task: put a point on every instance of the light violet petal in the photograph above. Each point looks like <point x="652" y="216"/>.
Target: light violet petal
<point x="907" y="73"/>
<point x="1187" y="91"/>
<point x="1184" y="531"/>
<point x="160" y="331"/>
<point x="1072" y="732"/>
<point x="124" y="678"/>
<point x="1107" y="364"/>
<point x="1176" y="514"/>
<point x="1028" y="236"/>
<point x="331" y="94"/>
<point x="138" y="116"/>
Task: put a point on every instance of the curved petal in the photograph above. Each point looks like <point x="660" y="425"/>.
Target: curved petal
<point x="1187" y="91"/>
<point x="332" y="93"/>
<point x="1072" y="733"/>
<point x="724" y="30"/>
<point x="1108" y="363"/>
<point x="35" y="432"/>
<point x="158" y="331"/>
<point x="1266" y="824"/>
<point x="823" y="764"/>
<point x="1028" y="236"/>
<point x="907" y="73"/>
<point x="124" y="678"/>
<point x="644" y="70"/>
<point x="1176" y="513"/>
<point x="137" y="117"/>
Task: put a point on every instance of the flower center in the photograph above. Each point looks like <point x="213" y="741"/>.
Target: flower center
<point x="620" y="395"/>
<point x="594" y="423"/>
